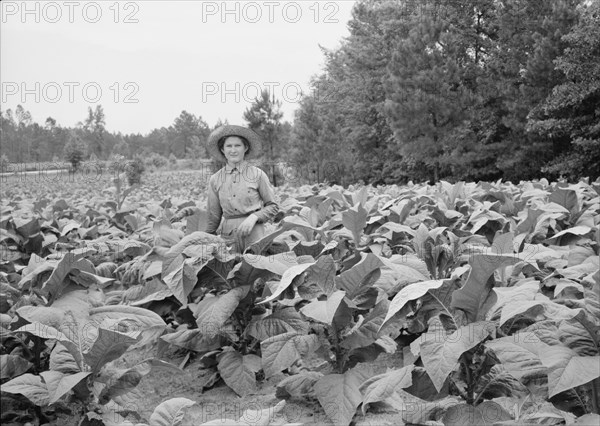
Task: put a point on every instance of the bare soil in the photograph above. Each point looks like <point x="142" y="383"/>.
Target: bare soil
<point x="220" y="402"/>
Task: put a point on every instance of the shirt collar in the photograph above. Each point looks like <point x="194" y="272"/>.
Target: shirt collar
<point x="240" y="167"/>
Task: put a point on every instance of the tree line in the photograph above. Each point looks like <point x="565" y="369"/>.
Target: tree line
<point x="23" y="140"/>
<point x="419" y="90"/>
<point x="460" y="90"/>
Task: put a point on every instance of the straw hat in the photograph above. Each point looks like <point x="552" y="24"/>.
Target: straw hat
<point x="212" y="145"/>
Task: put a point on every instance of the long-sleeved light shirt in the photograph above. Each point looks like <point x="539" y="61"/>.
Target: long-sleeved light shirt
<point x="237" y="192"/>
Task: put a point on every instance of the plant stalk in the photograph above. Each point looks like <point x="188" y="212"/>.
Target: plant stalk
<point x="338" y="350"/>
<point x="469" y="378"/>
<point x="596" y="395"/>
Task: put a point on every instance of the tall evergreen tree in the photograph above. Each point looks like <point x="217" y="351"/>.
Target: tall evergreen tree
<point x="94" y="127"/>
<point x="353" y="87"/>
<point x="264" y="117"/>
<point x="520" y="74"/>
<point x="189" y="134"/>
<point x="428" y="98"/>
<point x="23" y="121"/>
<point x="74" y="151"/>
<point x="570" y="116"/>
<point x="317" y="152"/>
<point x="8" y="135"/>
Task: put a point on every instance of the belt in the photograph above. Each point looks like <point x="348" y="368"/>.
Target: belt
<point x="239" y="216"/>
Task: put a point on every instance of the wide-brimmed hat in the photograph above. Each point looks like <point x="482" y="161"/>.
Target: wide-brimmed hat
<point x="212" y="145"/>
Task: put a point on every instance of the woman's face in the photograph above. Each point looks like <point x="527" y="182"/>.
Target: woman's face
<point x="234" y="149"/>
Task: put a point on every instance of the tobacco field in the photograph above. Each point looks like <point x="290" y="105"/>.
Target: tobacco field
<point x="446" y="304"/>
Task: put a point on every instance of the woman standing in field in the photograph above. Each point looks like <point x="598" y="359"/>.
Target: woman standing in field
<point x="239" y="193"/>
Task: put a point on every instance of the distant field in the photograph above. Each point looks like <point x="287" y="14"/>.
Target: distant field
<point x="93" y="185"/>
<point x="34" y="167"/>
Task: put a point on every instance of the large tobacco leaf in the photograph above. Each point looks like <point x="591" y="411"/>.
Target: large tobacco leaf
<point x="75" y="335"/>
<point x="47" y="315"/>
<point x="417" y="411"/>
<point x="288" y="223"/>
<point x="436" y="303"/>
<point x="522" y="291"/>
<point x="119" y="385"/>
<point x="46" y="388"/>
<point x="141" y="294"/>
<point x="497" y="383"/>
<point x="339" y="394"/>
<point x="325" y="311"/>
<point x="218" y="310"/>
<point x="537" y="310"/>
<point x="142" y="324"/>
<point x="107" y="347"/>
<point x="580" y="334"/>
<point x="354" y="219"/>
<point x="299" y="385"/>
<point x="277" y="263"/>
<point x="171" y="412"/>
<point x="30" y="386"/>
<point x="12" y="366"/>
<point x="282" y="321"/>
<point x="238" y="371"/>
<point x="86" y="343"/>
<point x="520" y="354"/>
<point x="368" y="331"/>
<point x="194" y="340"/>
<point x="475" y="298"/>
<point x="286" y="280"/>
<point x="234" y="275"/>
<point x="181" y="276"/>
<point x="395" y="276"/>
<point x="358" y="281"/>
<point x="567" y="370"/>
<point x="79" y="301"/>
<point x="56" y="283"/>
<point x="441" y="352"/>
<point x="185" y="259"/>
<point x="566" y="198"/>
<point x="398" y="305"/>
<point x="319" y="279"/>
<point x="383" y="386"/>
<point x="62" y="360"/>
<point x="281" y="351"/>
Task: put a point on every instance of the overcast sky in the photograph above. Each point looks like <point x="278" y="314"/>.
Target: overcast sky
<point x="146" y="61"/>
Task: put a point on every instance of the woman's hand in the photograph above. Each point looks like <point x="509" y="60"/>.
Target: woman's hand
<point x="246" y="226"/>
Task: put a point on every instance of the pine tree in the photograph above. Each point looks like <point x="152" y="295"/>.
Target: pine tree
<point x="352" y="88"/>
<point x="264" y="117"/>
<point x="570" y="117"/>
<point x="427" y="90"/>
<point x="317" y="152"/>
<point x="74" y="151"/>
<point x="519" y="75"/>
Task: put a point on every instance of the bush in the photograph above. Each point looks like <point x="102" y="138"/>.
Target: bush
<point x="74" y="151"/>
<point x="4" y="163"/>
<point x="116" y="164"/>
<point x="156" y="160"/>
<point x="134" y="170"/>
